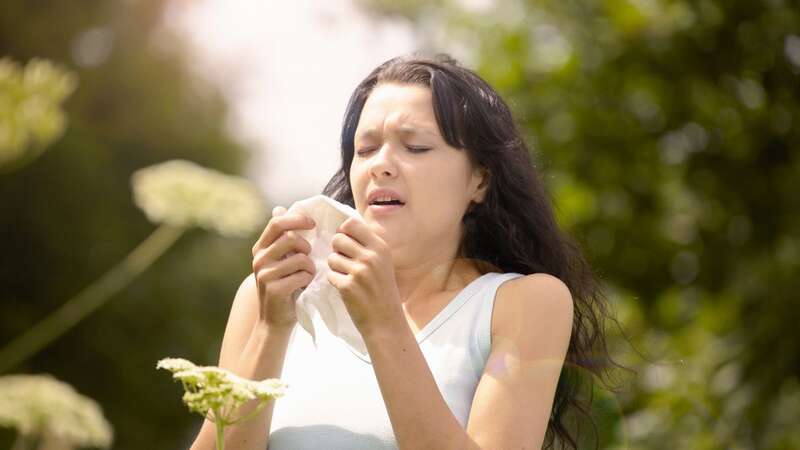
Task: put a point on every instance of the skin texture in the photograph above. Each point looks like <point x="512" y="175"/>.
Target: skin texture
<point x="395" y="273"/>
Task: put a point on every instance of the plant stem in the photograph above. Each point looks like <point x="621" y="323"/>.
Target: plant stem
<point x="253" y="413"/>
<point x="90" y="298"/>
<point x="220" y="427"/>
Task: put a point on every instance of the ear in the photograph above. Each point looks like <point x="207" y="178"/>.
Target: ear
<point x="480" y="181"/>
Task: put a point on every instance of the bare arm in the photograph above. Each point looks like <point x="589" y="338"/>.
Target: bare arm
<point x="530" y="338"/>
<point x="532" y="325"/>
<point x="253" y="350"/>
<point x="261" y="321"/>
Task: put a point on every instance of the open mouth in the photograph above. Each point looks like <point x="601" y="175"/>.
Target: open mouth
<point x="386" y="206"/>
<point x="389" y="202"/>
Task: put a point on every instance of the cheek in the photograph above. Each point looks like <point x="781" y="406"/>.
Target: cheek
<point x="448" y="182"/>
<point x="357" y="185"/>
<point x="443" y="198"/>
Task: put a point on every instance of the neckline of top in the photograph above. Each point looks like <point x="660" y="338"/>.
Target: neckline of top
<point x="441" y="317"/>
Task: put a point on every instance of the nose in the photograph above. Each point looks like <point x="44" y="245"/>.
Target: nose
<point x="382" y="164"/>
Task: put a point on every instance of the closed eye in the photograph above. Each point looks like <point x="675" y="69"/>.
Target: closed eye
<point x="410" y="148"/>
<point x="417" y="149"/>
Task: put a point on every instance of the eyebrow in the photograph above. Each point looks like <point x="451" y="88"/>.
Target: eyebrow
<point x="405" y="129"/>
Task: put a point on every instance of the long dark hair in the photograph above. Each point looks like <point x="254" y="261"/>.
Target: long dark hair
<point x="513" y="229"/>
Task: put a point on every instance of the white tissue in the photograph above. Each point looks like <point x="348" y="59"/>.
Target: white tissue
<point x="320" y="296"/>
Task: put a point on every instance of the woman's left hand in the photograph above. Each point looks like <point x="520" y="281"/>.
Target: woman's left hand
<point x="362" y="271"/>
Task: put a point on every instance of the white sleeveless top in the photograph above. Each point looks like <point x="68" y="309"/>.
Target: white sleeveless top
<point x="333" y="400"/>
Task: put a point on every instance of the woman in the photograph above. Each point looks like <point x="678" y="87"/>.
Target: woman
<point x="468" y="296"/>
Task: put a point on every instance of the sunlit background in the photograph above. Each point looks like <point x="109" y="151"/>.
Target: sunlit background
<point x="287" y="70"/>
<point x="143" y="144"/>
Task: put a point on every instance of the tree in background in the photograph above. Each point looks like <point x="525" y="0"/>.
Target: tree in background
<point x="667" y="131"/>
<point x="68" y="216"/>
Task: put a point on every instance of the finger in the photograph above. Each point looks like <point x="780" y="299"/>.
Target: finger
<point x="276" y="212"/>
<point x="279" y="225"/>
<point x="291" y="283"/>
<point x="337" y="279"/>
<point x="285" y="267"/>
<point x="288" y="244"/>
<point x="344" y="244"/>
<point x="339" y="263"/>
<point x="359" y="231"/>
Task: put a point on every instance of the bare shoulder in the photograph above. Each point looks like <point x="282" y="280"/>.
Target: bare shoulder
<point x="242" y="317"/>
<point x="247" y="288"/>
<point x="538" y="300"/>
<point x="245" y="302"/>
<point x="531" y="329"/>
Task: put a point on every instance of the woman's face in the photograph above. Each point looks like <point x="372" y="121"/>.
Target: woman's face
<point x="398" y="147"/>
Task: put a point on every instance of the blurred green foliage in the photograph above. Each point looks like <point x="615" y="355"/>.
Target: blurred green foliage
<point x="666" y="130"/>
<point x="667" y="133"/>
<point x="68" y="216"/>
<point x="49" y="414"/>
<point x="30" y="113"/>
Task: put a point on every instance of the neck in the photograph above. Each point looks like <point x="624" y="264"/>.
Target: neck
<point x="437" y="273"/>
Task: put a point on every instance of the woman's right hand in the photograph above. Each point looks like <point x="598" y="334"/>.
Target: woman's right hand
<point x="281" y="265"/>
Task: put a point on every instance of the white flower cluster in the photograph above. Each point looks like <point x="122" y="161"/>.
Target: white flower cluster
<point x="44" y="406"/>
<point x="216" y="390"/>
<point x="182" y="193"/>
<point x="30" y="111"/>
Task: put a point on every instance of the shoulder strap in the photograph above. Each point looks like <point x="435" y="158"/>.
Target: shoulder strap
<point x="487" y="308"/>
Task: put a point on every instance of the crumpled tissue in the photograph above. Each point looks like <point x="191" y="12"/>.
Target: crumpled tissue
<point x="320" y="296"/>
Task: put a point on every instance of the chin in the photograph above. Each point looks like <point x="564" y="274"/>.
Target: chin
<point x="389" y="235"/>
